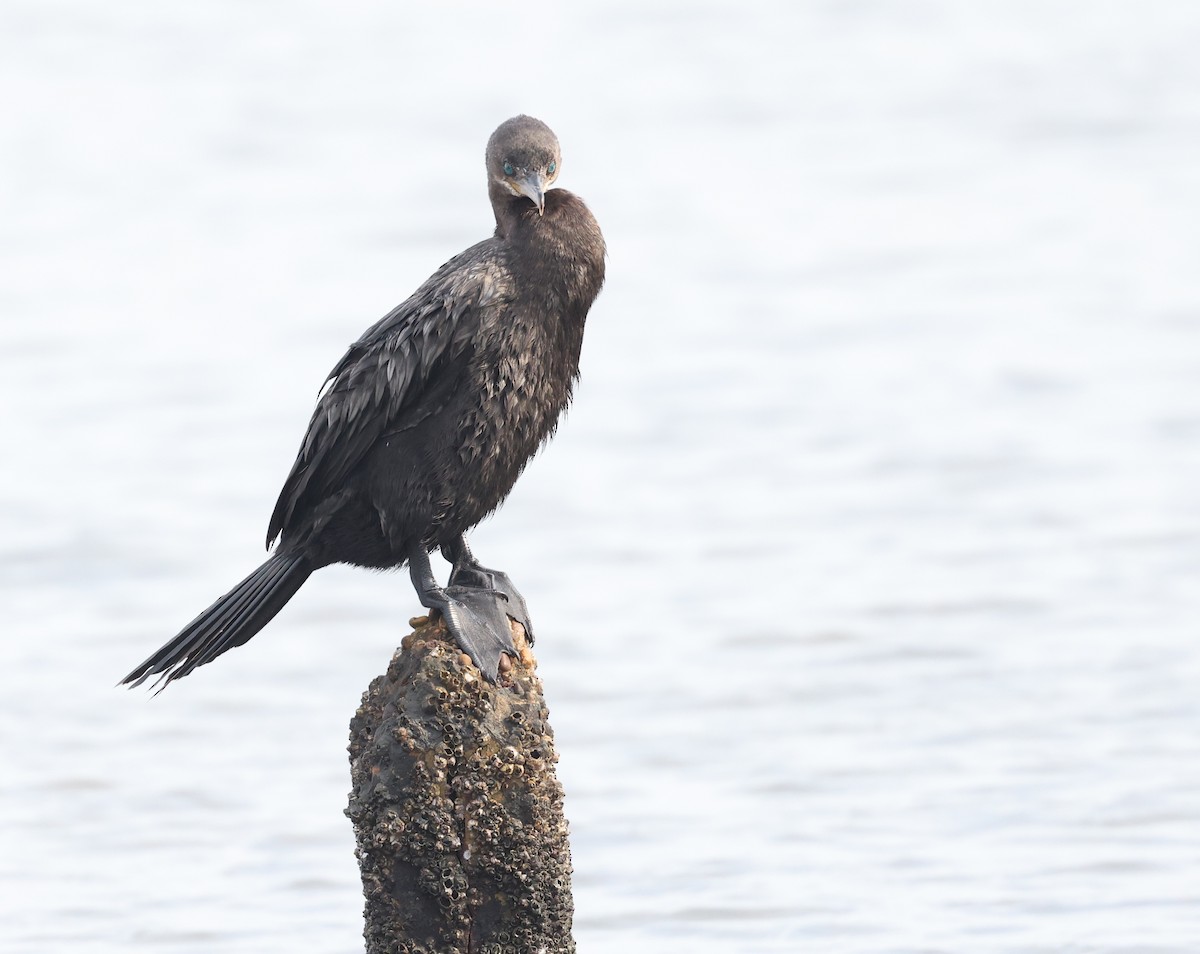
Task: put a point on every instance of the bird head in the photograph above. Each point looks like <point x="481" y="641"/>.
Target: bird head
<point x="523" y="159"/>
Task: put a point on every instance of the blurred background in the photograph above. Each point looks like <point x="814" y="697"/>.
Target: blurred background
<point x="864" y="565"/>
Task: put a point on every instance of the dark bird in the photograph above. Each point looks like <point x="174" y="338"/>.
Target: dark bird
<point x="425" y="424"/>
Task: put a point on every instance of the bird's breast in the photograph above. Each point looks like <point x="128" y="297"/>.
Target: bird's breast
<point x="525" y="381"/>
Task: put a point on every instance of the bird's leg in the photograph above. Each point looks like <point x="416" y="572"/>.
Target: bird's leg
<point x="467" y="572"/>
<point x="474" y="616"/>
<point x="465" y="569"/>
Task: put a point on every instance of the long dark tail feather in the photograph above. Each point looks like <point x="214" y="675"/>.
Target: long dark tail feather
<point x="229" y="622"/>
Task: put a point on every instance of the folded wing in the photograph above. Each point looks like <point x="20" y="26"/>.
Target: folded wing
<point x="382" y="377"/>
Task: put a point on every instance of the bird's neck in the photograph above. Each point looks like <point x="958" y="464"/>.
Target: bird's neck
<point x="509" y="209"/>
<point x="560" y="252"/>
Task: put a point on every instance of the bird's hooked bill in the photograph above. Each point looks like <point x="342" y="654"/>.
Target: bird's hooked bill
<point x="533" y="188"/>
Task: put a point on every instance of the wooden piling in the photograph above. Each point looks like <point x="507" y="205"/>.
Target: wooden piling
<point x="456" y="807"/>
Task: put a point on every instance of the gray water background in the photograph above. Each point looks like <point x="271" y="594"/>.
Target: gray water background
<point x="864" y="566"/>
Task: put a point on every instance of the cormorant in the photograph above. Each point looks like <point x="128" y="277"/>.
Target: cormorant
<point x="425" y="424"/>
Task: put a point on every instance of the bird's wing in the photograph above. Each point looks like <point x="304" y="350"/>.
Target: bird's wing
<point x="383" y="375"/>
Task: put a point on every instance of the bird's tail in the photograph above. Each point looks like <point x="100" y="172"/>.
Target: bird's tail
<point x="230" y="621"/>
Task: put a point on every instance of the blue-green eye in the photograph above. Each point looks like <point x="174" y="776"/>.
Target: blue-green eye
<point x="550" y="169"/>
<point x="508" y="169"/>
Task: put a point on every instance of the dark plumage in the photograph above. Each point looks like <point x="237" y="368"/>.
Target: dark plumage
<point x="427" y="421"/>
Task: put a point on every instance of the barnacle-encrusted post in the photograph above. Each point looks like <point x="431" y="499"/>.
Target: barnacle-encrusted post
<point x="456" y="808"/>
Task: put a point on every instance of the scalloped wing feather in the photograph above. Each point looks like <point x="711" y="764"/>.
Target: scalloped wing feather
<point x="384" y="373"/>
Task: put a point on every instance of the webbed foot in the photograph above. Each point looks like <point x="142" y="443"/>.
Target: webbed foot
<point x="476" y="616"/>
<point x="478" y="621"/>
<point x="472" y="576"/>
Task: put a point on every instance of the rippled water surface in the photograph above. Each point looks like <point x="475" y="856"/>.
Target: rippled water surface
<point x="864" y="566"/>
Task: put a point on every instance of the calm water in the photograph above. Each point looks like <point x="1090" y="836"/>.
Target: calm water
<point x="864" y="566"/>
